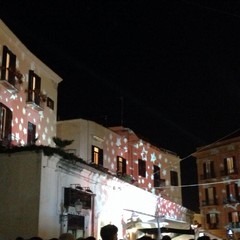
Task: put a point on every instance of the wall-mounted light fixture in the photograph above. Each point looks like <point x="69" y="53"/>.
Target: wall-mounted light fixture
<point x="78" y="206"/>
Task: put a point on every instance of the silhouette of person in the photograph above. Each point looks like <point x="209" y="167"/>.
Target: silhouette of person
<point x="166" y="237"/>
<point x="204" y="237"/>
<point x="109" y="232"/>
<point x="90" y="238"/>
<point x="66" y="236"/>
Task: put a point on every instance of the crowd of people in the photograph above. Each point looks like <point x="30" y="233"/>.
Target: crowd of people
<point x="107" y="232"/>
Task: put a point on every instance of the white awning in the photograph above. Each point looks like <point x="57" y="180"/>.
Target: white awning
<point x="164" y="223"/>
<point x="169" y="223"/>
<point x="183" y="237"/>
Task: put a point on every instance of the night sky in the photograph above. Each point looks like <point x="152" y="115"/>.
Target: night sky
<point x="168" y="70"/>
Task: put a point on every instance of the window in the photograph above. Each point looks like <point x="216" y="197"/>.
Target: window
<point x="230" y="165"/>
<point x="174" y="178"/>
<point x="5" y="125"/>
<point x="34" y="88"/>
<point x="141" y="168"/>
<point x="121" y="165"/>
<point x="156" y="176"/>
<point x="210" y="194"/>
<point x="212" y="220"/>
<point x="232" y="192"/>
<point x="50" y="103"/>
<point x="8" y="66"/>
<point x="97" y="155"/>
<point x="75" y="225"/>
<point x="233" y="218"/>
<point x="31" y="138"/>
<point x="208" y="170"/>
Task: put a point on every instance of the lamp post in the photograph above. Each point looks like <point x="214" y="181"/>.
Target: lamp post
<point x="159" y="228"/>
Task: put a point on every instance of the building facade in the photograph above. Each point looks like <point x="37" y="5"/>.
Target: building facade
<point x="41" y="191"/>
<point x="123" y="153"/>
<point x="219" y="192"/>
<point x="28" y="94"/>
<point x="106" y="175"/>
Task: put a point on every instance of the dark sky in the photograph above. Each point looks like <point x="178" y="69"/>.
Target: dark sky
<point x="169" y="70"/>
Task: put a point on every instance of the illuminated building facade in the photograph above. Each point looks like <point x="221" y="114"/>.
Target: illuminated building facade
<point x="114" y="173"/>
<point x="122" y="152"/>
<point x="219" y="192"/>
<point x="28" y="94"/>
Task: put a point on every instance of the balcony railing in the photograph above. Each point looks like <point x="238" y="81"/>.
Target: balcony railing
<point x="38" y="106"/>
<point x="12" y="88"/>
<point x="209" y="202"/>
<point x="207" y="176"/>
<point x="36" y="99"/>
<point x="230" y="200"/>
<point x="232" y="174"/>
<point x="11" y="79"/>
<point x="234" y="224"/>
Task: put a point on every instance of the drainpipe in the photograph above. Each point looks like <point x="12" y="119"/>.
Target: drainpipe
<point x="159" y="229"/>
<point x="93" y="214"/>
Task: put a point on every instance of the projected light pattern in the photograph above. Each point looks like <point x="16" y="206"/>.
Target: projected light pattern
<point x="45" y="120"/>
<point x="15" y="92"/>
<point x="116" y="145"/>
<point x="170" y="210"/>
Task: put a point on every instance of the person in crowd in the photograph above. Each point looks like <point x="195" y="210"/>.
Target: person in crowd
<point x="66" y="236"/>
<point x="145" y="237"/>
<point x="80" y="238"/>
<point x="204" y="237"/>
<point x="19" y="238"/>
<point x="35" y="238"/>
<point x="109" y="232"/>
<point x="166" y="237"/>
<point x="90" y="238"/>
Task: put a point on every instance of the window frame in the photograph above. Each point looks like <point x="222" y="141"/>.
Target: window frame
<point x="121" y="165"/>
<point x="34" y="88"/>
<point x="31" y="134"/>
<point x="8" y="67"/>
<point x="141" y="168"/>
<point x="174" y="178"/>
<point x="5" y="125"/>
<point x="97" y="155"/>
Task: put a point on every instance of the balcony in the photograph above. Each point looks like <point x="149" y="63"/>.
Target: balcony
<point x="230" y="175"/>
<point x="230" y="200"/>
<point x="71" y="195"/>
<point x="234" y="225"/>
<point x="208" y="176"/>
<point x="11" y="79"/>
<point x="209" y="202"/>
<point x="35" y="99"/>
<point x="37" y="106"/>
<point x="159" y="183"/>
<point x="11" y="87"/>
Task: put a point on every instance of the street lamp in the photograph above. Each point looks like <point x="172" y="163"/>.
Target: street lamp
<point x="78" y="206"/>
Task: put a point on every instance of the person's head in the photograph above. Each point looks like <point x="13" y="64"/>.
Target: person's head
<point x="145" y="237"/>
<point x="90" y="238"/>
<point x="109" y="232"/>
<point x="66" y="236"/>
<point x="19" y="238"/>
<point x="36" y="238"/>
<point x="204" y="237"/>
<point x="166" y="237"/>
